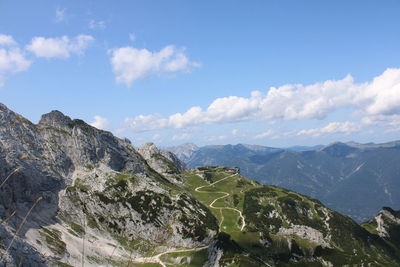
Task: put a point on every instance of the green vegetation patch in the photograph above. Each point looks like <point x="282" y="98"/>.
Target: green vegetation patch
<point x="63" y="264"/>
<point x="186" y="259"/>
<point x="78" y="185"/>
<point x="120" y="182"/>
<point x="77" y="229"/>
<point x="53" y="240"/>
<point x="371" y="227"/>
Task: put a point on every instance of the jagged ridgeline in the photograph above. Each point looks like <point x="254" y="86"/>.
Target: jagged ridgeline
<point x="90" y="197"/>
<point x="73" y="195"/>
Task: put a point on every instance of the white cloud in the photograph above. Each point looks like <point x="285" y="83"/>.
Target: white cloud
<point x="7" y="40"/>
<point x="61" y="47"/>
<point x="61" y="14"/>
<point x="333" y="127"/>
<point x="130" y="64"/>
<point x="99" y="122"/>
<point x="393" y="120"/>
<point x="12" y="58"/>
<point x="390" y="122"/>
<point x="265" y="134"/>
<point x="97" y="24"/>
<point x="181" y="137"/>
<point x="235" y="132"/>
<point x="132" y="37"/>
<point x="146" y="122"/>
<point x="381" y="96"/>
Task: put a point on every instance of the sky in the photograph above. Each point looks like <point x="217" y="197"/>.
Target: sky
<point x="272" y="73"/>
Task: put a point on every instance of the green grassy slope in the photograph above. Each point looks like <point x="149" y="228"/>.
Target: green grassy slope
<point x="282" y="227"/>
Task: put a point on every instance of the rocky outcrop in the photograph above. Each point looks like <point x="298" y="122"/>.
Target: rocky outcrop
<point x="163" y="162"/>
<point x="184" y="151"/>
<point x="71" y="193"/>
<point x="305" y="232"/>
<point x="294" y="227"/>
<point x="387" y="225"/>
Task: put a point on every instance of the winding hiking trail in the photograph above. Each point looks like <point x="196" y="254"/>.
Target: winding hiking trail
<point x="226" y="194"/>
<point x="157" y="258"/>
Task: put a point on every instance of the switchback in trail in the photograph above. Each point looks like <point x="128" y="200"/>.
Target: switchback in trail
<point x="225" y="194"/>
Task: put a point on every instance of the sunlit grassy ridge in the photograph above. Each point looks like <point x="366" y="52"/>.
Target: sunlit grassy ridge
<point x="212" y="183"/>
<point x="315" y="233"/>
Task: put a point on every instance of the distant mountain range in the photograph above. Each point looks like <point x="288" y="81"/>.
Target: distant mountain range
<point x="352" y="178"/>
<point x="74" y="195"/>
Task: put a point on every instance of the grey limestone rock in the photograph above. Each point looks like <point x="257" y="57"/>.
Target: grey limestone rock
<point x="67" y="185"/>
<point x="163" y="161"/>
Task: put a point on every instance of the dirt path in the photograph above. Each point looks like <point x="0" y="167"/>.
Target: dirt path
<point x="226" y="194"/>
<point x="156" y="258"/>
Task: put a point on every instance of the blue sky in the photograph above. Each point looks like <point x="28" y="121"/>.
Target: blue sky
<point x="275" y="73"/>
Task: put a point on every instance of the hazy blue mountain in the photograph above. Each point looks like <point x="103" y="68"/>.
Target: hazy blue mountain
<point x="74" y="195"/>
<point x="305" y="148"/>
<point x="356" y="179"/>
<point x="184" y="151"/>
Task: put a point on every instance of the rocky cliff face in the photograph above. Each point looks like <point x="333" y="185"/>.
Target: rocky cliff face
<point x="387" y="225"/>
<point x="307" y="228"/>
<point x="164" y="162"/>
<point x="184" y="151"/>
<point x="71" y="193"/>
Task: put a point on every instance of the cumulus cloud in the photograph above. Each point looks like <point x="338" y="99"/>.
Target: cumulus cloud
<point x="265" y="134"/>
<point x="146" y="122"/>
<point x="390" y="122"/>
<point x="333" y="127"/>
<point x="99" y="122"/>
<point x="12" y="58"/>
<point x="60" y="47"/>
<point x="382" y="119"/>
<point x="381" y="96"/>
<point x="7" y="40"/>
<point x="97" y="24"/>
<point x="130" y="64"/>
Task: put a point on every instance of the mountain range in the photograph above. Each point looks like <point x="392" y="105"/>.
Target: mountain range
<point x="352" y="178"/>
<point x="74" y="195"/>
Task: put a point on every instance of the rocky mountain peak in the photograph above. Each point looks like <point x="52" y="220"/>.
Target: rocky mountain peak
<point x="67" y="175"/>
<point x="190" y="146"/>
<point x="390" y="215"/>
<point x="183" y="152"/>
<point x="386" y="224"/>
<point x="148" y="149"/>
<point x="74" y="195"/>
<point x="3" y="107"/>
<point x="338" y="149"/>
<point x="163" y="162"/>
<point x="55" y="118"/>
<point x="7" y="114"/>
